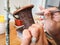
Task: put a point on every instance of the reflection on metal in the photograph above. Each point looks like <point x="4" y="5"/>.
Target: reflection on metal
<point x="7" y="31"/>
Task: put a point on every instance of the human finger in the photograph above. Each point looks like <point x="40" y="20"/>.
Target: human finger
<point x="35" y="32"/>
<point x="47" y="14"/>
<point x="26" y="37"/>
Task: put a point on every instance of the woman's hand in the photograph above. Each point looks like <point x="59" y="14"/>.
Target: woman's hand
<point x="36" y="31"/>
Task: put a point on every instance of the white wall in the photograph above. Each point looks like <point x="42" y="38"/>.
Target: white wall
<point x="37" y="4"/>
<point x="2" y="12"/>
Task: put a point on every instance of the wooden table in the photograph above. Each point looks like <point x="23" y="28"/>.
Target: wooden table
<point x="2" y="39"/>
<point x="14" y="40"/>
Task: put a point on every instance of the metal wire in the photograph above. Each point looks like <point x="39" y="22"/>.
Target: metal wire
<point x="7" y="30"/>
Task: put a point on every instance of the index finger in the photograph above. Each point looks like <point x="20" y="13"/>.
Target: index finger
<point x="26" y="37"/>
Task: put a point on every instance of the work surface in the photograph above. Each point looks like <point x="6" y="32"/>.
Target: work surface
<point x="14" y="40"/>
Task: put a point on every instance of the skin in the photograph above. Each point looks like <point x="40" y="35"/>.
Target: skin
<point x="51" y="25"/>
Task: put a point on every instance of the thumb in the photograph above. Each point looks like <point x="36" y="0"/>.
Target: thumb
<point x="42" y="37"/>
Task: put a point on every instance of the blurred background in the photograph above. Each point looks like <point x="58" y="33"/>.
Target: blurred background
<point x="15" y="6"/>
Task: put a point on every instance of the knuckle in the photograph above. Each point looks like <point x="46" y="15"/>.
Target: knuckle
<point x="33" y="24"/>
<point x="34" y="28"/>
<point x="26" y="34"/>
<point x="28" y="37"/>
<point x="24" y="30"/>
